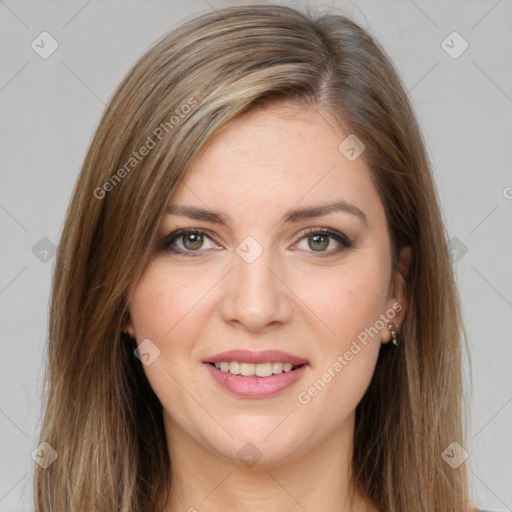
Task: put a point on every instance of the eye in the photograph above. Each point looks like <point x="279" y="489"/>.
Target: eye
<point x="192" y="242"/>
<point x="187" y="241"/>
<point x="325" y="240"/>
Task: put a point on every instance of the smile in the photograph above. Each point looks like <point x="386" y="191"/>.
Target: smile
<point x="253" y="375"/>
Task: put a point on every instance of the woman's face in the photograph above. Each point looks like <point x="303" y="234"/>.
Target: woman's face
<point x="268" y="267"/>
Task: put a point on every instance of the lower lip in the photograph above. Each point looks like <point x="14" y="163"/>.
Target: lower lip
<point x="256" y="387"/>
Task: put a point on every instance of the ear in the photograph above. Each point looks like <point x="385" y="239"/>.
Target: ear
<point x="398" y="303"/>
<point x="128" y="326"/>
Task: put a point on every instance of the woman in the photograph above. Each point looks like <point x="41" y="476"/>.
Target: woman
<point x="253" y="303"/>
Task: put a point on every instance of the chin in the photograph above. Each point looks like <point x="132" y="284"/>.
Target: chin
<point x="254" y="443"/>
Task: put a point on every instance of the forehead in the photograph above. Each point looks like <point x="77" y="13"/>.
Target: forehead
<point x="272" y="159"/>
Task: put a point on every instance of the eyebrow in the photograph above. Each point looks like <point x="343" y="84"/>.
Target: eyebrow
<point x="296" y="215"/>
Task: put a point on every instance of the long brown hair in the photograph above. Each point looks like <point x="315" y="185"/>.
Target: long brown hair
<point x="101" y="416"/>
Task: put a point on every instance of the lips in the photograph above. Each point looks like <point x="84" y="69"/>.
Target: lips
<point x="256" y="387"/>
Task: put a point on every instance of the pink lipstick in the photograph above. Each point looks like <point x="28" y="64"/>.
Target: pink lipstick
<point x="255" y="374"/>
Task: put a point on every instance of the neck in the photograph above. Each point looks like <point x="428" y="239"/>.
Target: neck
<point x="206" y="481"/>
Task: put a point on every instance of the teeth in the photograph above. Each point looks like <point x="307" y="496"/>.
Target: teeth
<point x="277" y="367"/>
<point x="251" y="369"/>
<point x="246" y="369"/>
<point x="263" y="369"/>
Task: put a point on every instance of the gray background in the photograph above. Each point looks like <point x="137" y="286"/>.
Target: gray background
<point x="50" y="108"/>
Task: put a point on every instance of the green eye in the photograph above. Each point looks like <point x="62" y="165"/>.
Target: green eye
<point x="188" y="241"/>
<point x="192" y="241"/>
<point x="318" y="242"/>
<point x="324" y="241"/>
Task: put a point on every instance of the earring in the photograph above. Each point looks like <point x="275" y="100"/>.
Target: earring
<point x="395" y="331"/>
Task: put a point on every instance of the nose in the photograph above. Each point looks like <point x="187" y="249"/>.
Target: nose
<point x="256" y="296"/>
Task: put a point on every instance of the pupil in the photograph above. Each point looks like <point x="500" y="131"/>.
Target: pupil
<point x="324" y="242"/>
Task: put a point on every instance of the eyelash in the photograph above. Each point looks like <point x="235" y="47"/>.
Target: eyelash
<point x="342" y="239"/>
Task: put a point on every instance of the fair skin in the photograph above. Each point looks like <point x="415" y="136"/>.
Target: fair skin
<point x="301" y="295"/>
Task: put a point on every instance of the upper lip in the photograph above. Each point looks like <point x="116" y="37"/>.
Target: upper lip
<point x="247" y="356"/>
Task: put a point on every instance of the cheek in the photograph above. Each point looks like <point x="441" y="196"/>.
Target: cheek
<point x="165" y="301"/>
<point x="346" y="300"/>
<point x="170" y="308"/>
<point x="350" y="306"/>
<point x="350" y="302"/>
